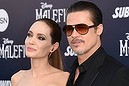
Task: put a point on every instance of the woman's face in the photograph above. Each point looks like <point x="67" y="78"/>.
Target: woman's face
<point x="38" y="41"/>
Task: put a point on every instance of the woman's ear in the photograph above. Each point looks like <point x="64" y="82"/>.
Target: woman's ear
<point x="99" y="29"/>
<point x="54" y="47"/>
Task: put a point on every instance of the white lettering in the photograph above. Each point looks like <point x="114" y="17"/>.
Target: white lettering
<point x="70" y="52"/>
<point x="124" y="49"/>
<point x="54" y="16"/>
<point x="8" y="50"/>
<point x="57" y="15"/>
<point x="121" y="12"/>
<point x="12" y="51"/>
<point x="38" y="13"/>
<point x="3" y="20"/>
<point x="46" y="11"/>
<point x="5" y="83"/>
<point x="7" y="41"/>
<point x="45" y="5"/>
<point x="127" y="36"/>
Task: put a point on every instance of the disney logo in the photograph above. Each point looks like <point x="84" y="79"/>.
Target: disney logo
<point x="45" y="5"/>
<point x="127" y="36"/>
<point x="7" y="41"/>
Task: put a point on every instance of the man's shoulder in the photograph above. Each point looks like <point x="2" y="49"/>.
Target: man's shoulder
<point x="111" y="64"/>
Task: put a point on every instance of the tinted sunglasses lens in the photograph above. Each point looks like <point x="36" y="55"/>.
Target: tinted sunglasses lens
<point x="69" y="30"/>
<point x="82" y="29"/>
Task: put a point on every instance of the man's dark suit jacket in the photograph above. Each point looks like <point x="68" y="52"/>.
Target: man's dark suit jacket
<point x="104" y="71"/>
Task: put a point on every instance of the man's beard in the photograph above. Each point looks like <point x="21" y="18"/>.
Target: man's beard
<point x="79" y="52"/>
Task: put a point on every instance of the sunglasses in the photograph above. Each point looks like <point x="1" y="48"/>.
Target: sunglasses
<point x="80" y="28"/>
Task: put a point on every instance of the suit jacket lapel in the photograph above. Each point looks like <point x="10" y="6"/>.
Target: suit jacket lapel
<point x="93" y="71"/>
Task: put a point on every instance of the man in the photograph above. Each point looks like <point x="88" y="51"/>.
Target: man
<point x="93" y="67"/>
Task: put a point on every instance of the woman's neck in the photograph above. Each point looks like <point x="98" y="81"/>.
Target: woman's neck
<point x="40" y="67"/>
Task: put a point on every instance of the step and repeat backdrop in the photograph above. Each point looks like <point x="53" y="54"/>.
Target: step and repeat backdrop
<point x="16" y="17"/>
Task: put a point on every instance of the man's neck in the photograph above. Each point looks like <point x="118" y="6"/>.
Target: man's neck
<point x="86" y="55"/>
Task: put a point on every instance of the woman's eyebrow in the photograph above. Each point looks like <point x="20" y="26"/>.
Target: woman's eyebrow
<point x="40" y="34"/>
<point x="30" y="31"/>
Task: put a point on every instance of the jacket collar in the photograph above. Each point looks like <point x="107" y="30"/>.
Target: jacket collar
<point x="93" y="70"/>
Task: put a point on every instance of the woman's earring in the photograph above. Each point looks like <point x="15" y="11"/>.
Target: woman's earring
<point x="49" y="55"/>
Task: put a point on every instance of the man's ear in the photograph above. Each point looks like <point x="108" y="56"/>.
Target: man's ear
<point x="99" y="29"/>
<point x="54" y="47"/>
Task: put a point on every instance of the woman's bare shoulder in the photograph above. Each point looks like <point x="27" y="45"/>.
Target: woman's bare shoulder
<point x="17" y="76"/>
<point x="61" y="72"/>
<point x="62" y="78"/>
<point x="64" y="74"/>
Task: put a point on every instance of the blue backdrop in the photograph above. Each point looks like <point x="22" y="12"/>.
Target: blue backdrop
<point x="16" y="17"/>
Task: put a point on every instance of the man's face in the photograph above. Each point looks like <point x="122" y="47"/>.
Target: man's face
<point x="83" y="44"/>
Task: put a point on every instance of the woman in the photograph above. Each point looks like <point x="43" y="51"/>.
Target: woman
<point x="42" y="47"/>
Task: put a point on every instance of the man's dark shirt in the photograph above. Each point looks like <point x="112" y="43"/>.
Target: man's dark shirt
<point x="83" y="68"/>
